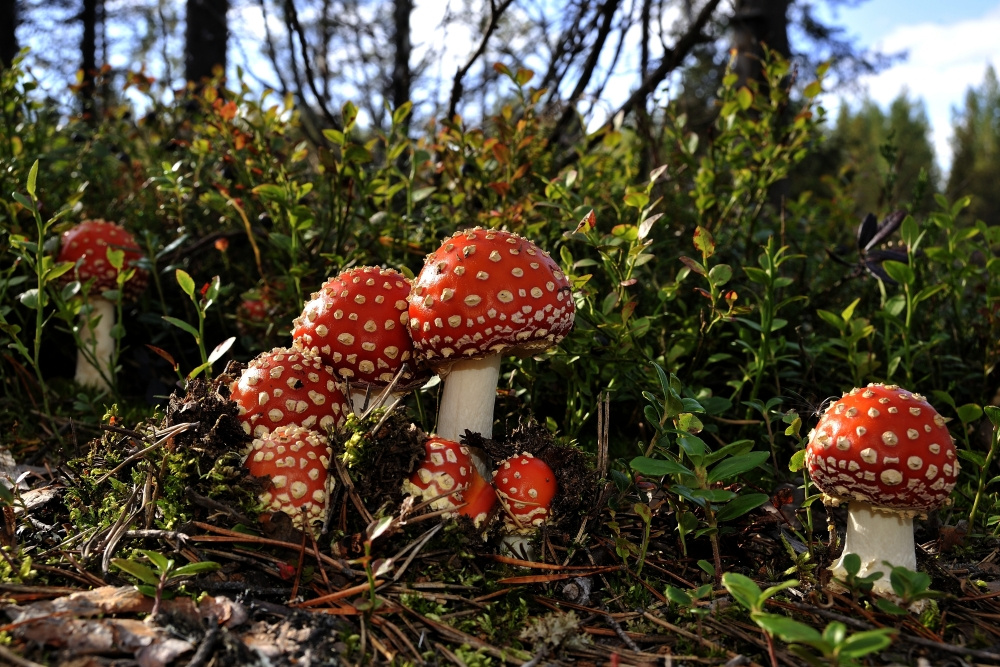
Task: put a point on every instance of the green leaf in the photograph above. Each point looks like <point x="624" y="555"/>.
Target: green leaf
<point x="890" y="607"/>
<point x="524" y="75"/>
<point x="29" y="298"/>
<point x="636" y="199"/>
<point x="862" y="643"/>
<point x="771" y="590"/>
<point x="900" y="272"/>
<point x="744" y="98"/>
<point x="678" y="597"/>
<point x="194" y="569"/>
<point x="693" y="446"/>
<point x="848" y="312"/>
<point x="116" y="258"/>
<point x="740" y="505"/>
<point x="657" y="467"/>
<point x="58" y="270"/>
<point x="756" y="275"/>
<point x="711" y="495"/>
<point x="270" y="192"/>
<point x="402" y="112"/>
<point x="788" y="629"/>
<point x="993" y="413"/>
<point x="137" y="570"/>
<point x="186" y="283"/>
<point x="349" y="114"/>
<point x="334" y="136"/>
<point x="736" y="465"/>
<point x="159" y="560"/>
<point x="181" y="324"/>
<point x="704" y="242"/>
<point x="832" y="319"/>
<point x="743" y="589"/>
<point x="195" y="372"/>
<point x="977" y="459"/>
<point x="22" y="200"/>
<point x="33" y="179"/>
<point x="969" y="412"/>
<point x="928" y="292"/>
<point x="689" y="422"/>
<point x="720" y="274"/>
<point x="813" y="89"/>
<point x="735" y="448"/>
<point x="797" y="461"/>
<point x="423" y="193"/>
<point x="147" y="590"/>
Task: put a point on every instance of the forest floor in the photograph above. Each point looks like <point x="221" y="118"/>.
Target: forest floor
<point x="391" y="582"/>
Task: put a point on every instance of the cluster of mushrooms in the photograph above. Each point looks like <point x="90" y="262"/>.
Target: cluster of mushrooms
<point x="483" y="294"/>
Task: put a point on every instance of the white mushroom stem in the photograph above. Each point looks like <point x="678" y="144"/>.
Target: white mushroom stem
<point x="877" y="535"/>
<point x="358" y="399"/>
<point x="467" y="400"/>
<point x="96" y="342"/>
<point x="518" y="546"/>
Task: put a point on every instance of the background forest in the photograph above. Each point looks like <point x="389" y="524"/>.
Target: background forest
<point x="738" y="254"/>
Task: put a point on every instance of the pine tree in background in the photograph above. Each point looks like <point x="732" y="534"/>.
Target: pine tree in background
<point x="975" y="169"/>
<point x="888" y="160"/>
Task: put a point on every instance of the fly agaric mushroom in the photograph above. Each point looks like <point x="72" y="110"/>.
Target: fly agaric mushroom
<point x="448" y="478"/>
<point x="526" y="486"/>
<point x="357" y="322"/>
<point x="296" y="461"/>
<point x="256" y="311"/>
<point x="480" y="500"/>
<point x="888" y="454"/>
<point x="87" y="246"/>
<point x="286" y="386"/>
<point x="482" y="294"/>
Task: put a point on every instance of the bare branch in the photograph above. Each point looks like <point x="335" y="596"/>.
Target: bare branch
<point x="457" y="87"/>
<point x="672" y="59"/>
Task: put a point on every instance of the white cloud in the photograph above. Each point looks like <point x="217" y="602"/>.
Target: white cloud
<point x="944" y="61"/>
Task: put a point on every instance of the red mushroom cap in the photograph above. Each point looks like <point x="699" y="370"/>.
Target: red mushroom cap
<point x="256" y="309"/>
<point x="488" y="292"/>
<point x="357" y="322"/>
<point x="88" y="244"/>
<point x="447" y="468"/>
<point x="296" y="460"/>
<point x="480" y="500"/>
<point x="286" y="386"/>
<point x="526" y="486"/>
<point x="885" y="446"/>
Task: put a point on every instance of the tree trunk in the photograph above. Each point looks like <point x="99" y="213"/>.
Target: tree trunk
<point x="756" y="23"/>
<point x="402" y="76"/>
<point x="205" y="38"/>
<point x="8" y="36"/>
<point x="88" y="57"/>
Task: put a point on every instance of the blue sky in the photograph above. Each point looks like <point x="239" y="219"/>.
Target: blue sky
<point x="949" y="42"/>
